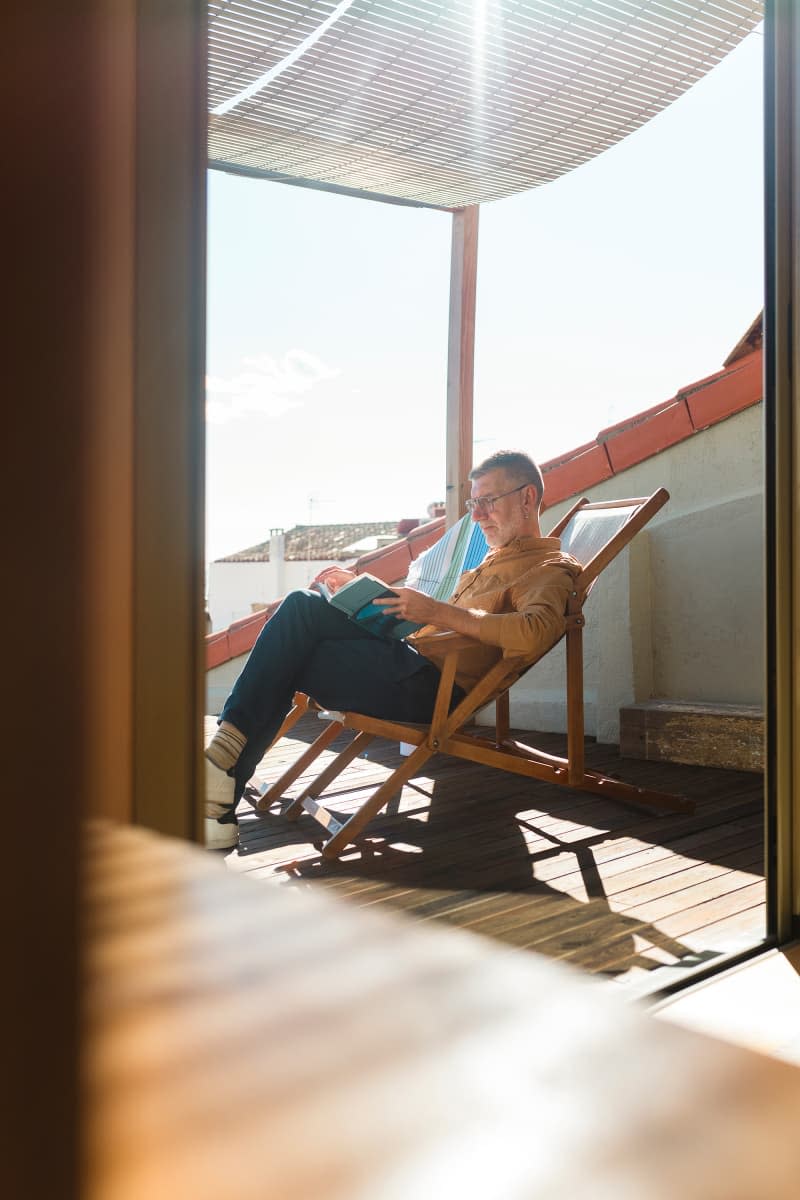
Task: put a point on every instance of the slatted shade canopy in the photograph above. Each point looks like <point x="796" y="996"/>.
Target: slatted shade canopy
<point x="448" y="103"/>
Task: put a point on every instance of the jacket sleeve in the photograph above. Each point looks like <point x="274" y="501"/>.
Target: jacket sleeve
<point x="539" y="600"/>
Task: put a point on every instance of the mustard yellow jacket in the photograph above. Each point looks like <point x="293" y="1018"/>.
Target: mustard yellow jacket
<point x="519" y="594"/>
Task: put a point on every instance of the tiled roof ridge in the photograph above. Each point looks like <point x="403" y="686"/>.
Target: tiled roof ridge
<point x="324" y="541"/>
<point x="374" y="526"/>
<point x="694" y="408"/>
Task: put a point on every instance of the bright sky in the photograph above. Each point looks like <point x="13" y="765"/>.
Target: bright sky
<point x="598" y="295"/>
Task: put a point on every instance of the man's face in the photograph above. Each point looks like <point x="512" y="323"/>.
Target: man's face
<point x="506" y="520"/>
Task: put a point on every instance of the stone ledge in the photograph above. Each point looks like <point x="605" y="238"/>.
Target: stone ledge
<point x="704" y="735"/>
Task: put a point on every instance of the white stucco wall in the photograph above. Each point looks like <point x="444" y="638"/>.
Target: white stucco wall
<point x="678" y="615"/>
<point x="233" y="588"/>
<point x="219" y="681"/>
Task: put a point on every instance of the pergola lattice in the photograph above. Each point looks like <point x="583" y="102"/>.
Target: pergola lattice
<point x="448" y="104"/>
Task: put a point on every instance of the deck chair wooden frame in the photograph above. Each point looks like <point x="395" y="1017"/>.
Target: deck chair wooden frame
<point x="435" y="572"/>
<point x="446" y="733"/>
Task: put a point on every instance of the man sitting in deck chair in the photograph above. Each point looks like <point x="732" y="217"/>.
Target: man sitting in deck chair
<point x="513" y="602"/>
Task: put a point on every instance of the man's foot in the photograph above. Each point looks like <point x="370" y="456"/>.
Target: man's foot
<point x="222" y="832"/>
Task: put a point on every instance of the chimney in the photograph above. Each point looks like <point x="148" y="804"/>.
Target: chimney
<point x="277" y="562"/>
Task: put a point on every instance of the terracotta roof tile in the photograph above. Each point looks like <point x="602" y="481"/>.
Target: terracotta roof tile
<point x="424" y="536"/>
<point x="389" y="564"/>
<point x="648" y="433"/>
<point x="574" y="472"/>
<point x="726" y="393"/>
<point x="748" y="342"/>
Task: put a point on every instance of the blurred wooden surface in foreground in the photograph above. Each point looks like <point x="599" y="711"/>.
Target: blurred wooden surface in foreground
<point x="249" y="1042"/>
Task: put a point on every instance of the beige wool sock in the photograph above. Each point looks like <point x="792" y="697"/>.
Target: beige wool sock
<point x="225" y="747"/>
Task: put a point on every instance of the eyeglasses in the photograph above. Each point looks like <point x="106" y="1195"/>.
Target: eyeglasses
<point x="485" y="504"/>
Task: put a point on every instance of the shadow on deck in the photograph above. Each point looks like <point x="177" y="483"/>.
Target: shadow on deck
<point x="640" y="898"/>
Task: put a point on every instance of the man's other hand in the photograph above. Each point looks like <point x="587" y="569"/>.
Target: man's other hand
<point x="334" y="578"/>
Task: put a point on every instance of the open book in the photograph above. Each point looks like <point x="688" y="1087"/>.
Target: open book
<point x="355" y="599"/>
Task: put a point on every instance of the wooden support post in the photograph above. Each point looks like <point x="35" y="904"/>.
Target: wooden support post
<point x="460" y="359"/>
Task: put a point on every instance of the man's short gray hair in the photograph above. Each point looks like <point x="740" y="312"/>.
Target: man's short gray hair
<point x="518" y="466"/>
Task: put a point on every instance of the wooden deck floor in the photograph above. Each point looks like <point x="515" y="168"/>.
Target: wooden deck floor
<point x="640" y="898"/>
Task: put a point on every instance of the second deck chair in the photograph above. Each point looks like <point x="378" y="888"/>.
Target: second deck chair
<point x="594" y="534"/>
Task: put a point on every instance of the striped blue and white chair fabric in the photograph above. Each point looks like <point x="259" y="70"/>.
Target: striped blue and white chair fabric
<point x="437" y="570"/>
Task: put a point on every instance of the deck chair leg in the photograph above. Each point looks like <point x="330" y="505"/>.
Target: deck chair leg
<point x="640" y="797"/>
<point x="575" y="719"/>
<point x="502" y="718"/>
<point x="372" y="806"/>
<point x="299" y="709"/>
<point x="331" y="731"/>
<point x="318" y="785"/>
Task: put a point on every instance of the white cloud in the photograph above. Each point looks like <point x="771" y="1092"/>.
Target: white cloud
<point x="267" y="386"/>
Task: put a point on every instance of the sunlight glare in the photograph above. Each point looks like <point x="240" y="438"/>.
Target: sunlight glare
<point x="478" y="69"/>
<point x="278" y="69"/>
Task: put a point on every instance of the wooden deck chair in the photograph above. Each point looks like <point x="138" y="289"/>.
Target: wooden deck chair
<point x="594" y="534"/>
<point x="435" y="571"/>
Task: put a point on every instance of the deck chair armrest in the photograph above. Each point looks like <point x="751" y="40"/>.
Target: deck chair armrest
<point x="448" y="642"/>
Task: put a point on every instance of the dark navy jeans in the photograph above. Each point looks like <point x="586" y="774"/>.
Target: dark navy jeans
<point x="310" y="646"/>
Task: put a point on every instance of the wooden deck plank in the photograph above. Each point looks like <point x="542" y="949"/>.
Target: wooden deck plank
<point x="710" y="940"/>
<point x="607" y="887"/>
<point x="454" y="838"/>
<point x="474" y="906"/>
<point x="614" y="875"/>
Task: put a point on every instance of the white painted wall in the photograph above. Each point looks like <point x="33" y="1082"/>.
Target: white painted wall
<point x="234" y="587"/>
<point x="678" y="615"/>
<point x="219" y="681"/>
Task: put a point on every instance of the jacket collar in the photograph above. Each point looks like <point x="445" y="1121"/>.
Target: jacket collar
<point x="525" y="542"/>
